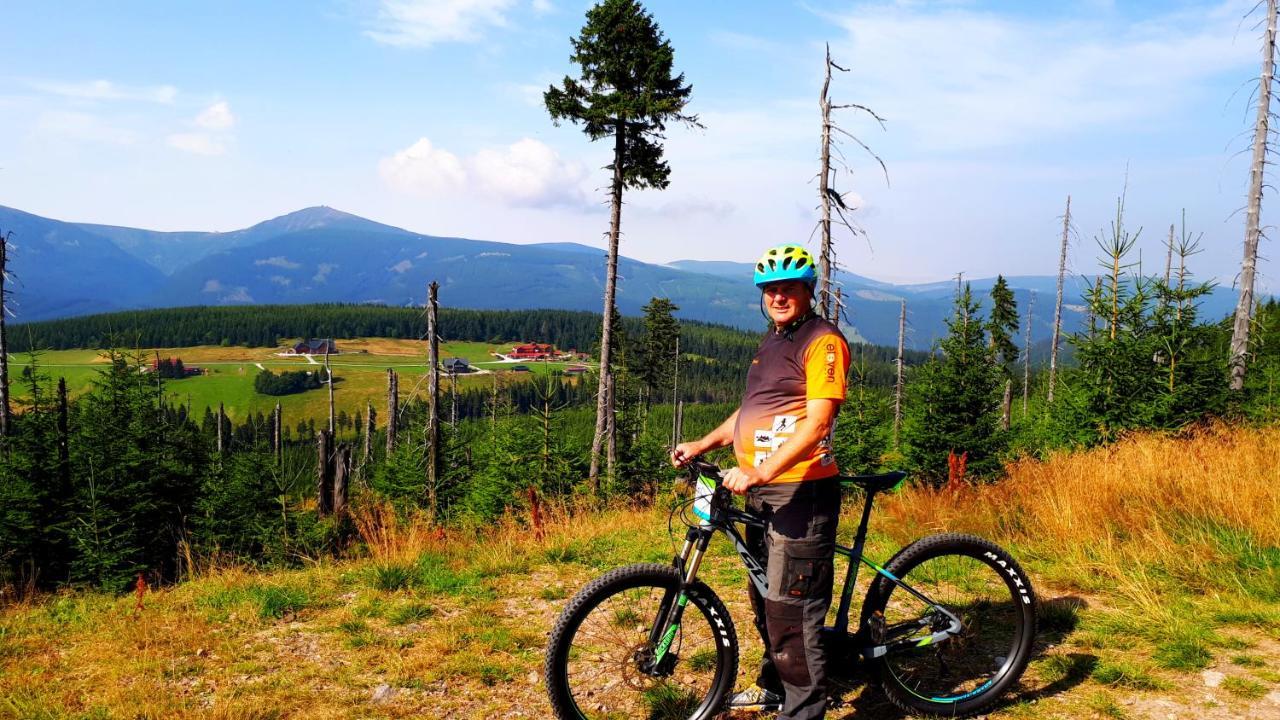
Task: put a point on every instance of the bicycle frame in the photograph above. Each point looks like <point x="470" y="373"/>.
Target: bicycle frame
<point x="725" y="518"/>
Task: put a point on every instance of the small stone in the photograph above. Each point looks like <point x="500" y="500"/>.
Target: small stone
<point x="383" y="693"/>
<point x="1212" y="678"/>
<point x="533" y="678"/>
<point x="1274" y="697"/>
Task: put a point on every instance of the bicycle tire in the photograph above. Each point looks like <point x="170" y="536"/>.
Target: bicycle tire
<point x="1014" y="605"/>
<point x="709" y="610"/>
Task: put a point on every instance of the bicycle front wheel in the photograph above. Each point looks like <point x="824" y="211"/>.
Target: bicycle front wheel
<point x="601" y="658"/>
<point x="958" y="653"/>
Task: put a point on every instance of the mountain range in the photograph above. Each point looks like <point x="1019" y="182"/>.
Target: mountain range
<point x="320" y="254"/>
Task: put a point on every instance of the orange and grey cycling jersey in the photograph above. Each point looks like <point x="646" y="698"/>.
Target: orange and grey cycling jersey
<point x="807" y="361"/>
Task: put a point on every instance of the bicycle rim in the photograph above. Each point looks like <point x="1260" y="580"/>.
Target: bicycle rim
<point x="961" y="667"/>
<point x="610" y="649"/>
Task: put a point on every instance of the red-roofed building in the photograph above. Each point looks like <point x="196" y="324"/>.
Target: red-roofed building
<point x="533" y="351"/>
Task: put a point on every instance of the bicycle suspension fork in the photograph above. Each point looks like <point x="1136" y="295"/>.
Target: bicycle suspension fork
<point x="670" y="613"/>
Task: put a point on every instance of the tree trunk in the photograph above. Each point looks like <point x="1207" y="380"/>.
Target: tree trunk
<point x="329" y="374"/>
<point x="433" y="402"/>
<point x="604" y="401"/>
<point x="1244" y="308"/>
<point x="897" y="385"/>
<point x="222" y="420"/>
<point x="612" y="428"/>
<point x="1026" y="357"/>
<point x="453" y="399"/>
<point x="341" y="478"/>
<point x="824" y="257"/>
<point x="1006" y="404"/>
<point x="1057" y="310"/>
<point x="675" y="397"/>
<point x="679" y="411"/>
<point x="64" y="442"/>
<point x="277" y="434"/>
<point x="6" y="413"/>
<point x="324" y="468"/>
<point x="368" y="431"/>
<point x="1168" y="258"/>
<point x="393" y="408"/>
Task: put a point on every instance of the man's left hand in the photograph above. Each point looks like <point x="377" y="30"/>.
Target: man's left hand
<point x="740" y="479"/>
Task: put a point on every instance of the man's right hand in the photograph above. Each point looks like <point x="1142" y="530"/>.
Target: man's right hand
<point x="683" y="453"/>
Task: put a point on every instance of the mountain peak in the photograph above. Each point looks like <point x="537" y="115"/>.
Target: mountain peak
<point x="311" y="218"/>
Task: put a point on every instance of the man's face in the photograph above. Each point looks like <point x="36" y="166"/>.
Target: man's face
<point x="787" y="300"/>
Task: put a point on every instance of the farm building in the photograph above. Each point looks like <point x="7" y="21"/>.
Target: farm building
<point x="457" y="365"/>
<point x="575" y="370"/>
<point x="315" y="347"/>
<point x="533" y="351"/>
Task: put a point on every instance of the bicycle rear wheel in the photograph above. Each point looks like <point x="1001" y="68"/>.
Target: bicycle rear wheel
<point x="600" y="658"/>
<point x="983" y="588"/>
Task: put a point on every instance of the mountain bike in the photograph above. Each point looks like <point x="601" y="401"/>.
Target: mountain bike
<point x="946" y="627"/>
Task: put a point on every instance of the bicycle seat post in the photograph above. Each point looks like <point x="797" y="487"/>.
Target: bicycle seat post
<point x="851" y="574"/>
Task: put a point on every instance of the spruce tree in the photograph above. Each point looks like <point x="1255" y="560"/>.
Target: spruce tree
<point x="655" y="358"/>
<point x="627" y="92"/>
<point x="952" y="401"/>
<point x="1001" y="329"/>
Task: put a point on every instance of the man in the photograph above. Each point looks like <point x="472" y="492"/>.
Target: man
<point x="781" y="438"/>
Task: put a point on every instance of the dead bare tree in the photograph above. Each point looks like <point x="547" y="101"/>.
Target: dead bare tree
<point x="1252" y="230"/>
<point x="329" y="375"/>
<point x="1026" y="357"/>
<point x="6" y="416"/>
<point x="829" y="197"/>
<point x="898" y="384"/>
<point x="433" y="401"/>
<point x="1057" y="310"/>
<point x="393" y="408"/>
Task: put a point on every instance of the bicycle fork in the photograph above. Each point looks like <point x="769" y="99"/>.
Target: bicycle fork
<point x="667" y="624"/>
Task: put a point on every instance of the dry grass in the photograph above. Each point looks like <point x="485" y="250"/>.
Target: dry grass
<point x="1147" y="500"/>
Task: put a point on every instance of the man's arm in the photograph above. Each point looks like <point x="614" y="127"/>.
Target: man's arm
<point x="722" y="436"/>
<point x="820" y="415"/>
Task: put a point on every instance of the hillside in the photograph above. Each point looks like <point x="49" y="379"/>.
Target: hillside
<point x="1156" y="562"/>
<point x="321" y="254"/>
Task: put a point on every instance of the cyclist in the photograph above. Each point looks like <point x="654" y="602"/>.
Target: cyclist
<point x="781" y="435"/>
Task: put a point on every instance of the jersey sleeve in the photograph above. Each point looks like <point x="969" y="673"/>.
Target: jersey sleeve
<point x="826" y="366"/>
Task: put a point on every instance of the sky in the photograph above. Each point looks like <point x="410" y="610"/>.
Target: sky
<point x="427" y="115"/>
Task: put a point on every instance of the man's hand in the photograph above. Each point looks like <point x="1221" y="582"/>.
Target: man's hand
<point x="740" y="479"/>
<point x="683" y="453"/>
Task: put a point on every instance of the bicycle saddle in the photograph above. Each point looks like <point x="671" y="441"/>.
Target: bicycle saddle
<point x="875" y="483"/>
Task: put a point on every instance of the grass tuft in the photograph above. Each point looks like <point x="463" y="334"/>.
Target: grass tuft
<point x="1244" y="688"/>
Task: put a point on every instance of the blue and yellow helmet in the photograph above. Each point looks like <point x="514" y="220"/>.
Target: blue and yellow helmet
<point x="786" y="262"/>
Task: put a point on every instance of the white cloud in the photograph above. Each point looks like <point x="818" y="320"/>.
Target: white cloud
<point x="401" y="267"/>
<point x="422" y="168"/>
<point x="322" y="271"/>
<point x="529" y="173"/>
<point x="960" y="79"/>
<point x="526" y="173"/>
<point x="106" y="90"/>
<point x="216" y="117"/>
<point x="279" y="261"/>
<point x="197" y="143"/>
<point x="423" y="23"/>
<point x="213" y="135"/>
<point x="212" y="285"/>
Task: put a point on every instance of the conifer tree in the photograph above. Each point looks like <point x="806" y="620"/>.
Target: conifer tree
<point x="655" y="360"/>
<point x="1001" y="329"/>
<point x="627" y="92"/>
<point x="952" y="401"/>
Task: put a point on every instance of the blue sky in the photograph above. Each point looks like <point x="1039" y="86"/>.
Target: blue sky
<point x="426" y="114"/>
